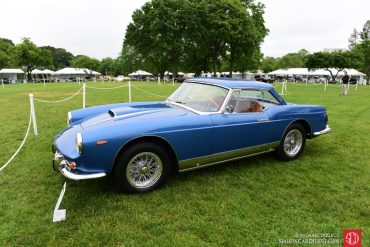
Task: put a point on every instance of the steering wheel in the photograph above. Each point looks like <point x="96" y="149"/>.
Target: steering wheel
<point x="215" y="103"/>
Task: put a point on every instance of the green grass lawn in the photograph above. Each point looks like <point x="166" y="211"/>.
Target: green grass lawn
<point x="250" y="202"/>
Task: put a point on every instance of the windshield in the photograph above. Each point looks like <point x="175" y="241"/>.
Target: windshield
<point x="200" y="97"/>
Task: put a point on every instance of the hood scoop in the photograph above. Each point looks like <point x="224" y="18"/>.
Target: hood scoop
<point x="127" y="111"/>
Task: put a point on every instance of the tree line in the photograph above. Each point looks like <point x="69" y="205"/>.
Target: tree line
<point x="29" y="57"/>
<point x="357" y="56"/>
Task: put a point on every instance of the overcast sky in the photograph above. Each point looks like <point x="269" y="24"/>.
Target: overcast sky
<point x="96" y="27"/>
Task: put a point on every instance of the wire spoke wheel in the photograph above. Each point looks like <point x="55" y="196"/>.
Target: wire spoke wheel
<point x="144" y="170"/>
<point x="293" y="142"/>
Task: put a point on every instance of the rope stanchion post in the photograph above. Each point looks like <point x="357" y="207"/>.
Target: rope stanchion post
<point x="33" y="115"/>
<point x="129" y="91"/>
<point x="173" y="81"/>
<point x="83" y="95"/>
<point x="44" y="81"/>
<point x="159" y="80"/>
<point x="2" y="82"/>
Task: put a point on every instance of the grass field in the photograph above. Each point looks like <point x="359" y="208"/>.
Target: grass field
<point x="251" y="202"/>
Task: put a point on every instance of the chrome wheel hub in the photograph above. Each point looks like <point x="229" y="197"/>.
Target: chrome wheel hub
<point x="293" y="142"/>
<point x="144" y="170"/>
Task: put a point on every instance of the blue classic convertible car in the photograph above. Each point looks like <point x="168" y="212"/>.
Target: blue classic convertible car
<point x="204" y="122"/>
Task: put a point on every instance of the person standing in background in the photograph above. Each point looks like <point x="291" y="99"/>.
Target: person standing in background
<point x="345" y="81"/>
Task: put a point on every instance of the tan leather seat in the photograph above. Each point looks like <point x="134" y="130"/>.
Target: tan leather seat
<point x="249" y="106"/>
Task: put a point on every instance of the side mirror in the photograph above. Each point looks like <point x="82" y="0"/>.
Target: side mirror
<point x="230" y="109"/>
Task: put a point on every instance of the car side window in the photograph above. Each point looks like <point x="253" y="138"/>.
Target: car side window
<point x="246" y="101"/>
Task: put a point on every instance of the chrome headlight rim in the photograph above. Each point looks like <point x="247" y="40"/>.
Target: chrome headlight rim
<point x="79" y="143"/>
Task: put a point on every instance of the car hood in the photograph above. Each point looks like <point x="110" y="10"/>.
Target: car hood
<point x="131" y="113"/>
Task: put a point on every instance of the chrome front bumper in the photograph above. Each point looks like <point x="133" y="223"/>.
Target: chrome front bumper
<point x="63" y="167"/>
<point x="323" y="132"/>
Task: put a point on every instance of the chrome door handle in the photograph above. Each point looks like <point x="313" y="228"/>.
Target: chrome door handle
<point x="263" y="120"/>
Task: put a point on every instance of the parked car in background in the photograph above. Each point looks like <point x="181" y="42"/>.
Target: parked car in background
<point x="180" y="79"/>
<point x="121" y="78"/>
<point x="264" y="78"/>
<point x="204" y="122"/>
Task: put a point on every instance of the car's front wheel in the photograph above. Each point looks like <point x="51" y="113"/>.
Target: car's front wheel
<point x="293" y="142"/>
<point x="142" y="167"/>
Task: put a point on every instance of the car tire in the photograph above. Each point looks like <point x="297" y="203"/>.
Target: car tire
<point x="141" y="168"/>
<point x="293" y="142"/>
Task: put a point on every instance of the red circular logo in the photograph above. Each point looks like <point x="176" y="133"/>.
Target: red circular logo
<point x="352" y="238"/>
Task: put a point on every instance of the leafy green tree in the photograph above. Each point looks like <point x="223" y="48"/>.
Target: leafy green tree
<point x="365" y="34"/>
<point x="30" y="56"/>
<point x="61" y="57"/>
<point x="107" y="66"/>
<point x="193" y="34"/>
<point x="130" y="60"/>
<point x="327" y="60"/>
<point x="6" y="53"/>
<point x="84" y="62"/>
<point x="269" y="64"/>
<point x="291" y="60"/>
<point x="361" y="53"/>
<point x="157" y="33"/>
<point x="243" y="34"/>
<point x="353" y="39"/>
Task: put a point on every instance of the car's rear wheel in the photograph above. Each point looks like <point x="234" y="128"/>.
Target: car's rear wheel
<point x="293" y="142"/>
<point x="142" y="167"/>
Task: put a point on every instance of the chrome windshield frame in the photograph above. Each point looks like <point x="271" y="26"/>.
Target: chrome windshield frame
<point x="222" y="108"/>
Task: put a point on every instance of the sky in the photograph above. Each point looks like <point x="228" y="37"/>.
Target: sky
<point x="96" y="28"/>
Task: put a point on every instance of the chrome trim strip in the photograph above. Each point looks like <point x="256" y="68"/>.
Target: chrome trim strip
<point x="327" y="130"/>
<point x="191" y="164"/>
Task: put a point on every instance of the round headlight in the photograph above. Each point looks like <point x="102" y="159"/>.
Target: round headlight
<point x="79" y="143"/>
<point x="69" y="117"/>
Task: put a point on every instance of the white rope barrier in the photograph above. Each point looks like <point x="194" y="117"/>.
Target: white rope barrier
<point x="58" y="101"/>
<point x="20" y="147"/>
<point x="149" y="92"/>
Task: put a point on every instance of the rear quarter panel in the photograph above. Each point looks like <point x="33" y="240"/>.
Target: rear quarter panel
<point x="282" y="116"/>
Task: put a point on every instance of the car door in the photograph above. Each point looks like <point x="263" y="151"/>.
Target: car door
<point x="244" y="124"/>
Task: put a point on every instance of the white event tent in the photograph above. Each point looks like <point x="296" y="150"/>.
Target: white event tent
<point x="74" y="74"/>
<point x="11" y="75"/>
<point x="140" y="74"/>
<point x="322" y="73"/>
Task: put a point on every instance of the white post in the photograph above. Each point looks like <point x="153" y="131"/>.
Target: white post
<point x="2" y="82"/>
<point x="173" y="81"/>
<point x="60" y="214"/>
<point x="129" y="91"/>
<point x="33" y="115"/>
<point x="159" y="80"/>
<point x="44" y="81"/>
<point x="286" y="86"/>
<point x="356" y="85"/>
<point x="325" y="85"/>
<point x="83" y="95"/>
